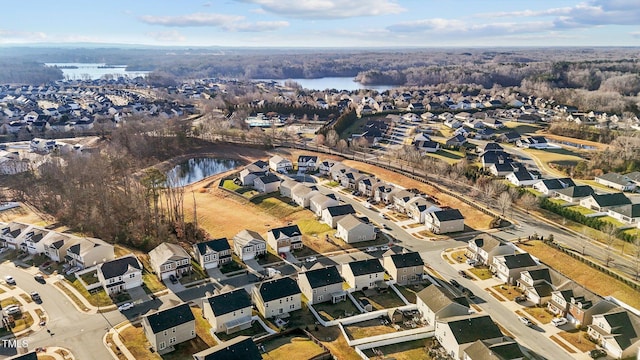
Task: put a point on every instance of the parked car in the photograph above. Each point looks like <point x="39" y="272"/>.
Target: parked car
<point x="454" y="283"/>
<point x="597" y="353"/>
<point x="520" y="299"/>
<point x="39" y="278"/>
<point x="12" y="310"/>
<point x="173" y="279"/>
<point x="559" y="321"/>
<point x="10" y="280"/>
<point x="384" y="248"/>
<point x="471" y="262"/>
<point x="463" y="274"/>
<point x="35" y="296"/>
<point x="386" y="227"/>
<point x="125" y="306"/>
<point x="367" y="205"/>
<point x="311" y="259"/>
<point x="525" y="321"/>
<point x="371" y="249"/>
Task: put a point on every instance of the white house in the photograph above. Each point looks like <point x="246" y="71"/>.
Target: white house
<point x="307" y="163"/>
<point x="363" y="274"/>
<point x="333" y="214"/>
<point x="267" y="183"/>
<point x="277" y="297"/>
<point x="438" y="303"/>
<point x="445" y="221"/>
<point x="351" y="229"/>
<point x="279" y="164"/>
<point x="248" y="244"/>
<point x="319" y="202"/>
<point x="616" y="181"/>
<point x="169" y="259"/>
<point x="457" y="333"/>
<point x="322" y="285"/>
<point x="285" y="239"/>
<point x="213" y="253"/>
<point x="120" y="274"/>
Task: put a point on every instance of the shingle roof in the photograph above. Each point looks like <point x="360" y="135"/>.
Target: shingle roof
<point x="341" y="210"/>
<point x="323" y="277"/>
<point x="519" y="261"/>
<point x="437" y="298"/>
<point x="28" y="356"/>
<point x="246" y="236"/>
<point x="611" y="199"/>
<point x="448" y="215"/>
<point x="501" y="351"/>
<point x="576" y="191"/>
<point x="487" y="242"/>
<point x="629" y="210"/>
<point x="229" y="302"/>
<point x="167" y="251"/>
<point x="615" y="178"/>
<point x="168" y="318"/>
<point x="470" y="329"/>
<point x="623" y="327"/>
<point x="407" y="260"/>
<point x="214" y="245"/>
<point x="349" y="222"/>
<point x="119" y="267"/>
<point x="278" y="288"/>
<point x="288" y="231"/>
<point x="268" y="179"/>
<point x="238" y="348"/>
<point x="364" y="267"/>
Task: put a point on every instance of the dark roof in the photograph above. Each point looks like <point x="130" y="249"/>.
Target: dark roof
<point x="168" y="318"/>
<point x="611" y="199"/>
<point x="493" y="146"/>
<point x="629" y="210"/>
<point x="119" y="266"/>
<point x="540" y="274"/>
<point x="28" y="356"/>
<point x="555" y="184"/>
<point x="448" y="215"/>
<point x="471" y="329"/>
<point x="522" y="175"/>
<point x="323" y="277"/>
<point x="519" y="261"/>
<point x="230" y="301"/>
<point x="364" y="267"/>
<point x="261" y="164"/>
<point x="278" y="288"/>
<point x="341" y="210"/>
<point x="306" y="158"/>
<point x="501" y="351"/>
<point x="288" y="231"/>
<point x="622" y="327"/>
<point x="216" y="245"/>
<point x="268" y="179"/>
<point x="544" y="289"/>
<point x="407" y="260"/>
<point x="616" y="178"/>
<point x="576" y="191"/>
<point x="511" y="135"/>
<point x="238" y="348"/>
<point x="495" y="156"/>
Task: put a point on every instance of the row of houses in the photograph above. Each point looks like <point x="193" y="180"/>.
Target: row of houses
<point x="610" y="325"/>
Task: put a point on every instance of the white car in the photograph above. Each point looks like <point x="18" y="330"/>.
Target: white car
<point x="371" y="249"/>
<point x="525" y="321"/>
<point x="10" y="280"/>
<point x="12" y="310"/>
<point x="311" y="259"/>
<point x="384" y="248"/>
<point x="125" y="306"/>
<point x="559" y="321"/>
<point x="73" y="270"/>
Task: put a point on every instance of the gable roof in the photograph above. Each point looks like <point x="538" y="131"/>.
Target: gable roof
<point x="323" y="277"/>
<point x="437" y="298"/>
<point x="576" y="191"/>
<point x="365" y="267"/>
<point x="519" y="261"/>
<point x="245" y="237"/>
<point x="168" y="318"/>
<point x="229" y="301"/>
<point x="487" y="242"/>
<point x="214" y="245"/>
<point x="119" y="267"/>
<point x="469" y="329"/>
<point x="481" y="350"/>
<point x="448" y="215"/>
<point x="278" y="288"/>
<point x="288" y="231"/>
<point x="556" y="184"/>
<point x="168" y="252"/>
<point x="611" y="199"/>
<point x="407" y="260"/>
<point x="238" y="348"/>
<point x="268" y="179"/>
<point x="340" y="210"/>
<point x="629" y="210"/>
<point x="350" y="222"/>
<point x="615" y="178"/>
<point x="307" y="158"/>
<point x="624" y="327"/>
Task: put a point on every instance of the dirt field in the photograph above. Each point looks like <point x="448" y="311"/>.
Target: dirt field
<point x="473" y="218"/>
<point x="597" y="145"/>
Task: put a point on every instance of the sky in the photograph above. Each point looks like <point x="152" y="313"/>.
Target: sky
<point x="323" y="23"/>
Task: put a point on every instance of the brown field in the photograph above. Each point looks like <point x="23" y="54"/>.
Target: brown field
<point x="597" y="145"/>
<point x="473" y="217"/>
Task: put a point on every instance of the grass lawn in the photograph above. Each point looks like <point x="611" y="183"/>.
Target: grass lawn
<point x="583" y="274"/>
<point x="26" y="298"/>
<point x="448" y="156"/>
<point x="367" y="328"/>
<point x="151" y="282"/>
<point x="72" y="296"/>
<point x="548" y="157"/>
<point x="329" y="311"/>
<point x="611" y="220"/>
<point x="9" y="301"/>
<point x="230" y="185"/>
<point x="410" y="292"/>
<point x="332" y="184"/>
<point x="561" y="202"/>
<point x="203" y="327"/>
<point x="597" y="145"/>
<point x="23" y="321"/>
<point x="291" y="346"/>
<point x="95" y="298"/>
<point x="579" y="339"/>
<point x="458" y="256"/>
<point x="509" y="292"/>
<point x="255" y="330"/>
<point x="581" y="209"/>
<point x="521" y="128"/>
<point x="474" y="218"/>
<point x="313" y="227"/>
<point x="482" y="273"/>
<point x="90" y="277"/>
<point x="409" y="350"/>
<point x="231" y="266"/>
<point x="268" y="258"/>
<point x="275" y="205"/>
<point x="383" y="300"/>
<point x="540" y="314"/>
<point x="136" y="342"/>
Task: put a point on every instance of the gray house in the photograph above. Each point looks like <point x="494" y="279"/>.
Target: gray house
<point x="321" y="285"/>
<point x="166" y="328"/>
<point x="228" y="312"/>
<point x="213" y="253"/>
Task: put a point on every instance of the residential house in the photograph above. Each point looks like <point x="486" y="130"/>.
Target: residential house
<point x="248" y="245"/>
<point x="437" y="302"/>
<point x="511" y="137"/>
<point x="490" y="157"/>
<point x="492" y="146"/>
<point x="617" y="331"/>
<point x="228" y="312"/>
<point x="86" y="252"/>
<point x="628" y="214"/>
<point x="603" y="202"/>
<point x="366" y="185"/>
<point x="486" y="350"/>
<point x="419" y="207"/>
<point x="492" y="123"/>
<point x="33" y="239"/>
<point x="10" y="234"/>
<point x="635" y="177"/>
<point x="279" y="164"/>
<point x="350" y="179"/>
<point x="249" y="174"/>
<point x="307" y="163"/>
<point x="56" y="245"/>
<point x="533" y="142"/>
<point x="458" y="333"/>
<point x="522" y="177"/>
<point x="286" y="186"/>
<point x="333" y="214"/>
<point x="278" y="297"/>
<point x="457" y="140"/>
<point x="404" y="268"/>
<point x="427" y="146"/>
<point x="321" y="285"/>
<point x="285" y="239"/>
<point x="169" y="259"/>
<point x="325" y="166"/>
<point x="582" y="308"/>
<point x="616" y="181"/>
<point x="238" y="348"/>
<point x="537" y="285"/>
<point x="338" y="170"/>
<point x="213" y="253"/>
<point x="560" y="300"/>
<point x="363" y="274"/>
<point x="267" y="183"/>
<point x="507" y="268"/>
<point x="445" y="221"/>
<point x="302" y="194"/>
<point x="401" y="199"/>
<point x="549" y="186"/>
<point x="483" y="248"/>
<point x="352" y="230"/>
<point x="169" y="327"/>
<point x="573" y="194"/>
<point x="120" y="274"/>
<point x="319" y="202"/>
<point x="383" y="193"/>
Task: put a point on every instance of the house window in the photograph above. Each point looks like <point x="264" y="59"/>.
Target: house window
<point x="292" y="307"/>
<point x="165" y="333"/>
<point x="166" y="267"/>
<point x="172" y="340"/>
<point x="131" y="276"/>
<point x="162" y="346"/>
<point x="193" y="333"/>
<point x="173" y="330"/>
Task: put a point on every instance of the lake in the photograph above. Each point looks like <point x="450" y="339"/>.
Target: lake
<point x="196" y="169"/>
<point x="94" y="71"/>
<point x="339" y="83"/>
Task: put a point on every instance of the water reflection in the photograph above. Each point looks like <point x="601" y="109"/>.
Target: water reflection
<point x="196" y="169"/>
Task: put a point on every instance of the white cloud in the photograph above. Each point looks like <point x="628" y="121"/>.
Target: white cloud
<point x="167" y="36"/>
<point x="259" y="26"/>
<point x="635" y="34"/>
<point x="328" y="9"/>
<point x="458" y="27"/>
<point x="12" y="36"/>
<point x="197" y="19"/>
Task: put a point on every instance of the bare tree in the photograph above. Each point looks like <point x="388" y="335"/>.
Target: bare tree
<point x="504" y="201"/>
<point x="331" y="138"/>
<point x="610" y="230"/>
<point x="528" y="201"/>
<point x="636" y="256"/>
<point x="342" y="145"/>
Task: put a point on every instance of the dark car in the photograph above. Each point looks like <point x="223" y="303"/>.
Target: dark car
<point x="173" y="278"/>
<point x="597" y="353"/>
<point x="520" y="299"/>
<point x="463" y="274"/>
<point x="454" y="283"/>
<point x="39" y="278"/>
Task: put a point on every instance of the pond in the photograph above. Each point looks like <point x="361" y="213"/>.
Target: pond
<point x="196" y="169"/>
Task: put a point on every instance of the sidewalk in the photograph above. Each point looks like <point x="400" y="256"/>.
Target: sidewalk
<point x="115" y="337"/>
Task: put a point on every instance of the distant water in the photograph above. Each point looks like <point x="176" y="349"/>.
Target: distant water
<point x="94" y="71"/>
<point x="338" y="83"/>
<point x="196" y="169"/>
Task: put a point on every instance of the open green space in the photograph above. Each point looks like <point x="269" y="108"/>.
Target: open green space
<point x="275" y="205"/>
<point x="287" y="346"/>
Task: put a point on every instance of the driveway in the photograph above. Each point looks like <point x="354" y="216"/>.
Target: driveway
<point x="216" y="275"/>
<point x="253" y="266"/>
<point x="138" y="295"/>
<point x="175" y="288"/>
